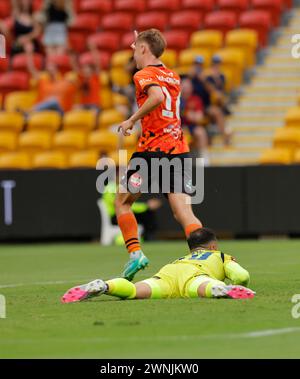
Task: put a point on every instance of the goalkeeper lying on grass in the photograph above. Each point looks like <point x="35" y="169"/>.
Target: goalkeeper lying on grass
<point x="198" y="274"/>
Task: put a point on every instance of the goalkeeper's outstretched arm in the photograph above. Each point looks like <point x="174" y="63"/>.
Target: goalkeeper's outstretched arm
<point x="236" y="273"/>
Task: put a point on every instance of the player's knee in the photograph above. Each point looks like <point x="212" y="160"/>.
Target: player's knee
<point x="143" y="290"/>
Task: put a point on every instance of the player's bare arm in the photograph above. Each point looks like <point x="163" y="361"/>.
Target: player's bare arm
<point x="154" y="100"/>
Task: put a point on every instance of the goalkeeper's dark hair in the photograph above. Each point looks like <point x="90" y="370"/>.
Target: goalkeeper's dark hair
<point x="200" y="238"/>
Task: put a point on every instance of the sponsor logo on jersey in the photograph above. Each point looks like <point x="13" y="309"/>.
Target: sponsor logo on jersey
<point x="168" y="80"/>
<point x="145" y="80"/>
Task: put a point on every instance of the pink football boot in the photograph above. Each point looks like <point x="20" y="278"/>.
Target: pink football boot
<point x="85" y="291"/>
<point x="232" y="291"/>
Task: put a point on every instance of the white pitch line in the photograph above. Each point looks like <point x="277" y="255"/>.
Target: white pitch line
<point x="182" y="338"/>
<point x="14" y="285"/>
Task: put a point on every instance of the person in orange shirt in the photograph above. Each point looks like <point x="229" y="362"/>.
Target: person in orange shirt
<point x="54" y="91"/>
<point x="158" y="98"/>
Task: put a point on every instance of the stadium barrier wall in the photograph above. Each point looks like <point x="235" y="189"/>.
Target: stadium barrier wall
<point x="62" y="204"/>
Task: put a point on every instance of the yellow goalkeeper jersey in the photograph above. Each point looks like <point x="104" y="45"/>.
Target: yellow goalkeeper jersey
<point x="213" y="263"/>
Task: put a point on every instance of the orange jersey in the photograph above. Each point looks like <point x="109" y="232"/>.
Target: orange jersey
<point x="161" y="128"/>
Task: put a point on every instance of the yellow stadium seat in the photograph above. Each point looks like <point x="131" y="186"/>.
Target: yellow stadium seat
<point x="34" y="141"/>
<point x="297" y="157"/>
<point x="11" y="121"/>
<point x="276" y="156"/>
<point x="287" y="138"/>
<point x="104" y="78"/>
<point x="44" y="121"/>
<point x="103" y="140"/>
<point x="83" y="119"/>
<point x="121" y="58"/>
<point x="119" y="158"/>
<point x="128" y="141"/>
<point x="69" y="141"/>
<point x="15" y="160"/>
<point x="106" y="98"/>
<point x="229" y="82"/>
<point x="245" y="39"/>
<point x="292" y="117"/>
<point x="50" y="159"/>
<point x="169" y="58"/>
<point x="233" y="59"/>
<point x="87" y="158"/>
<point x="120" y="77"/>
<point x="207" y="39"/>
<point x="20" y="100"/>
<point x="8" y="141"/>
<point x="110" y="117"/>
<point x="119" y="99"/>
<point x="187" y="58"/>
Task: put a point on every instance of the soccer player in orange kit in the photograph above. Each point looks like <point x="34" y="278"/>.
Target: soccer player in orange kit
<point x="158" y="98"/>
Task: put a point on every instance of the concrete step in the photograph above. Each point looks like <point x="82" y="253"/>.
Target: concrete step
<point x="262" y="70"/>
<point x="262" y="108"/>
<point x="270" y="89"/>
<point x="254" y="145"/>
<point x="272" y="74"/>
<point x="268" y="96"/>
<point x="255" y="119"/>
<point x="259" y="130"/>
<point x="280" y="80"/>
<point x="233" y="150"/>
<point x="250" y="138"/>
<point x="291" y="64"/>
<point x="256" y="124"/>
<point x="266" y="103"/>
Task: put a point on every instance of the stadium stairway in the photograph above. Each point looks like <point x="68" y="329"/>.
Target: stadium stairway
<point x="263" y="103"/>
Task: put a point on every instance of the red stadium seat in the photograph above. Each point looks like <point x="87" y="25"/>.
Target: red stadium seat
<point x="221" y="20"/>
<point x="37" y="5"/>
<point x="108" y="41"/>
<point x="88" y="58"/>
<point x="96" y="6"/>
<point x="148" y="20"/>
<point x="63" y="62"/>
<point x="236" y="6"/>
<point x="186" y="20"/>
<point x="288" y="4"/>
<point x="177" y="39"/>
<point x="5" y="9"/>
<point x="127" y="40"/>
<point x="4" y="64"/>
<point x="14" y="81"/>
<point x="163" y="6"/>
<point x="86" y="23"/>
<point x="260" y="21"/>
<point x="20" y="62"/>
<point x="77" y="41"/>
<point x="130" y="6"/>
<point x="203" y="6"/>
<point x="275" y="7"/>
<point x="118" y="22"/>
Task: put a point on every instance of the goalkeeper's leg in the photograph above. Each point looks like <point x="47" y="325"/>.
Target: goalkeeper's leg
<point x="119" y="287"/>
<point x="204" y="286"/>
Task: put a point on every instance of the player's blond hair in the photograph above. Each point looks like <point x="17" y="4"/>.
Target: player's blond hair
<point x="155" y="40"/>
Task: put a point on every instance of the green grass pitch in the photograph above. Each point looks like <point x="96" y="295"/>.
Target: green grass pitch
<point x="33" y="278"/>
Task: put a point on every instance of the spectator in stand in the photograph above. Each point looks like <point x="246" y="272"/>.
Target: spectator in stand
<point x="192" y="117"/>
<point x="203" y="89"/>
<point x="217" y="82"/>
<point x="25" y="28"/>
<point x="54" y="91"/>
<point x="88" y="83"/>
<point x="56" y="15"/>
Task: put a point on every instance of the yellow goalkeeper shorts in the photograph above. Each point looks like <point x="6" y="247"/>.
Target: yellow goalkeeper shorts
<point x="176" y="280"/>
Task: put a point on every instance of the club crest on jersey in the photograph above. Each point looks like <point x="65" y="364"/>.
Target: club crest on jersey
<point x="136" y="180"/>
